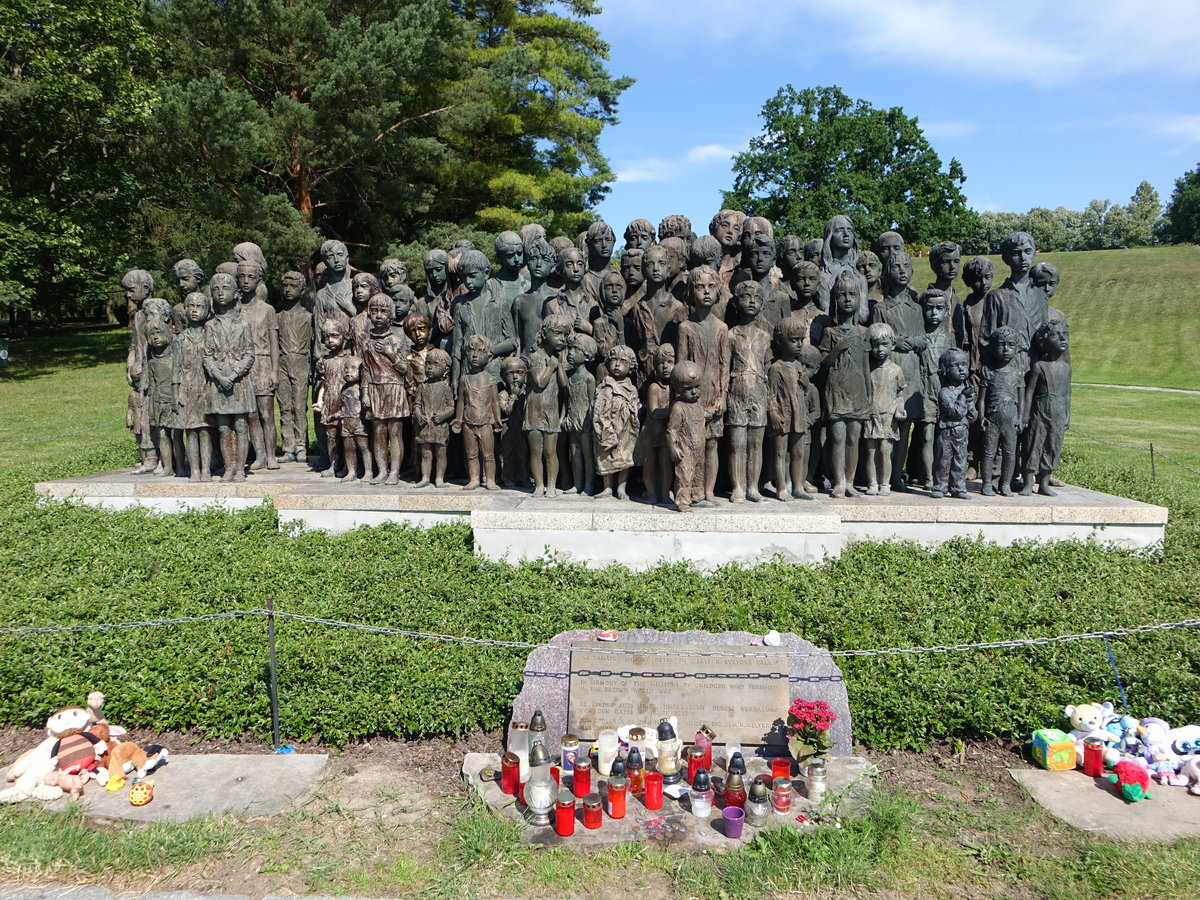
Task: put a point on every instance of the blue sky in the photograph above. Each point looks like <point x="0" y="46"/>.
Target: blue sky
<point x="1043" y="103"/>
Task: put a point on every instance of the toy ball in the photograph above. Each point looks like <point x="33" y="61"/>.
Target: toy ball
<point x="114" y="783"/>
<point x="141" y="793"/>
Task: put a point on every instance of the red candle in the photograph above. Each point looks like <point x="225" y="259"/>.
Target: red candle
<point x="564" y="814"/>
<point x="654" y="790"/>
<point x="510" y="773"/>
<point x="618" y="792"/>
<point x="1093" y="757"/>
<point x="695" y="762"/>
<point x="581" y="777"/>
<point x="592" y="815"/>
<point x="781" y="767"/>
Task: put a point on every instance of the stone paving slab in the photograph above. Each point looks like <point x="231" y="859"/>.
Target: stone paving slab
<point x="849" y="779"/>
<point x="1095" y="805"/>
<point x="185" y="787"/>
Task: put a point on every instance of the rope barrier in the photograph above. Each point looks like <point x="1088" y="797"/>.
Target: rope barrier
<point x="608" y="650"/>
<point x="52" y="437"/>
<point x="1154" y="452"/>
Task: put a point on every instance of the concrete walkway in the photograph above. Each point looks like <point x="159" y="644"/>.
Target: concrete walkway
<point x="1095" y="805"/>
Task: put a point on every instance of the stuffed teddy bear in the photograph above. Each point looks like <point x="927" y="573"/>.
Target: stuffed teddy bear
<point x="75" y="749"/>
<point x="128" y="758"/>
<point x="1088" y="720"/>
<point x="28" y="776"/>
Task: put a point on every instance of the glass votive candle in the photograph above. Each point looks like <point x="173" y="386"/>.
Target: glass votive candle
<point x="781" y="767"/>
<point x="593" y="815"/>
<point x="564" y="814"/>
<point x="581" y="777"/>
<point x="654" y="790"/>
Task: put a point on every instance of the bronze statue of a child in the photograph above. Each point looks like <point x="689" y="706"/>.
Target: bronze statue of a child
<point x="704" y="340"/>
<point x="657" y="465"/>
<point x="579" y="398"/>
<point x="880" y="431"/>
<point x="847" y="384"/>
<point x="385" y="399"/>
<point x="160" y="392"/>
<point x="295" y="367"/>
<point x="685" y="434"/>
<point x="956" y="411"/>
<point x="433" y="408"/>
<point x="787" y="411"/>
<point x="935" y="308"/>
<point x="477" y="414"/>
<point x="339" y="400"/>
<point x="746" y="410"/>
<point x="228" y="360"/>
<point x="191" y="403"/>
<point x="1047" y="409"/>
<point x="1001" y="401"/>
<point x="514" y="448"/>
<point x="543" y="416"/>
<point x="541" y="261"/>
<point x="616" y="422"/>
<point x="264" y="329"/>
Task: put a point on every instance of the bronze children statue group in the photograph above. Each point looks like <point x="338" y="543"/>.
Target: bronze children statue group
<point x="693" y="362"/>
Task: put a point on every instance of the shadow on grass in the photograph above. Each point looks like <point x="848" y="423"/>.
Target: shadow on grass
<point x="43" y="355"/>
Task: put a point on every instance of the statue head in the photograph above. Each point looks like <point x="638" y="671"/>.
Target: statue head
<point x="434" y="264"/>
<point x="292" y="284"/>
<point x="676" y="248"/>
<point x="249" y="276"/>
<point x="888" y="243"/>
<point x="704" y="288"/>
<point x="478" y="352"/>
<point x="675" y="226"/>
<point x="552" y="337"/>
<point x="561" y="244"/>
<point x="581" y="349"/>
<point x="510" y="251"/>
<point x="393" y="275"/>
<point x="631" y="270"/>
<point x="223" y="290"/>
<point x="846" y="295"/>
<point x="335" y="334"/>
<point x="474" y="270"/>
<point x="663" y="359"/>
<point x="812" y="249"/>
<point x="530" y="232"/>
<point x="1017" y="250"/>
<point x="806" y="282"/>
<point x="600" y="244"/>
<point x="437" y="364"/>
<point x="881" y="339"/>
<point x="953" y="366"/>
<point x="197" y="308"/>
<point x="572" y="267"/>
<point x="188" y="276"/>
<point x="620" y="360"/>
<point x="790" y="335"/>
<point x="755" y="227"/>
<point x="789" y="250"/>
<point x="365" y="286"/>
<point x="639" y="234"/>
<point x="685" y="381"/>
<point x="726" y="227"/>
<point x="138" y="285"/>
<point x="759" y="255"/>
<point x="417" y="326"/>
<point x="869" y="267"/>
<point x="336" y="257"/>
<point x="748" y="299"/>
<point x="935" y="306"/>
<point x="977" y="273"/>
<point x="247" y="251"/>
<point x="381" y="311"/>
<point x="944" y="260"/>
<point x="612" y="290"/>
<point x="840" y="243"/>
<point x="897" y="271"/>
<point x="1051" y="338"/>
<point x="1003" y="344"/>
<point x="541" y="259"/>
<point x="1045" y="275"/>
<point x="706" y="251"/>
<point x="158" y="335"/>
<point x="656" y="265"/>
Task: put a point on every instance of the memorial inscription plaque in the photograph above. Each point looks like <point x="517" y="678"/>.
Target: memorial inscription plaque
<point x="742" y="693"/>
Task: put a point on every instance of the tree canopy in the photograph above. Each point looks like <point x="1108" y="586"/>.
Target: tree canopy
<point x="1181" y="222"/>
<point x="139" y="132"/>
<point x="821" y="154"/>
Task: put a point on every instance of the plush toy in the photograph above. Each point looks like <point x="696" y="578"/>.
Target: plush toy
<point x="1159" y="754"/>
<point x="1191" y="771"/>
<point x="128" y="758"/>
<point x="75" y="749"/>
<point x="1132" y="779"/>
<point x="69" y="783"/>
<point x="1087" y="720"/>
<point x="28" y="776"/>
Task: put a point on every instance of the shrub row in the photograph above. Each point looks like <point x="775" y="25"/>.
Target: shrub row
<point x="63" y="564"/>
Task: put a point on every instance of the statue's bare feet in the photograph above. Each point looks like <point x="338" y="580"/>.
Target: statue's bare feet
<point x="838" y="492"/>
<point x="392" y="479"/>
<point x="885" y="490"/>
<point x="783" y="497"/>
<point x="272" y="462"/>
<point x="259" y="463"/>
<point x="331" y="472"/>
<point x="551" y="493"/>
<point x="424" y="482"/>
<point x="703" y="504"/>
<point x="1007" y="491"/>
<point x="1054" y="482"/>
<point x="737" y="497"/>
<point x="802" y="495"/>
<point x="471" y="485"/>
<point x="961" y="495"/>
<point x="491" y="486"/>
<point x="1044" y="490"/>
<point x="604" y="494"/>
<point x="988" y="491"/>
<point x="622" y="494"/>
<point x="239" y="475"/>
<point x="754" y="496"/>
<point x="872" y="490"/>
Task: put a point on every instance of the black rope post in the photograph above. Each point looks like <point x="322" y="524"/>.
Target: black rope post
<point x="1153" y="474"/>
<point x="271" y="672"/>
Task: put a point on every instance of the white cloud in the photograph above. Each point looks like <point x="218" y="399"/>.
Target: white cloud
<point x="1040" y="42"/>
<point x="1186" y="127"/>
<point x="947" y="128"/>
<point x="657" y="168"/>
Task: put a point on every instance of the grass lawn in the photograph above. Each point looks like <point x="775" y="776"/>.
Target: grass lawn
<point x="960" y="830"/>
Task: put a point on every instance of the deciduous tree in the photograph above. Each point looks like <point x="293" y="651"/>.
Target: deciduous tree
<point x="821" y="154"/>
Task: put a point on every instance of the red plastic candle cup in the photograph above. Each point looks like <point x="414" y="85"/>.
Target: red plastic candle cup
<point x="556" y="774"/>
<point x="581" y="777"/>
<point x="564" y="814"/>
<point x="695" y="762"/>
<point x="510" y="774"/>
<point x="618" y="793"/>
<point x="1093" y="757"/>
<point x="735" y="818"/>
<point x="781" y="767"/>
<point x="654" y="790"/>
<point x="593" y="816"/>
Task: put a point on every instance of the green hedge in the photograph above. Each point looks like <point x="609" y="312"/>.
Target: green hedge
<point x="62" y="564"/>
